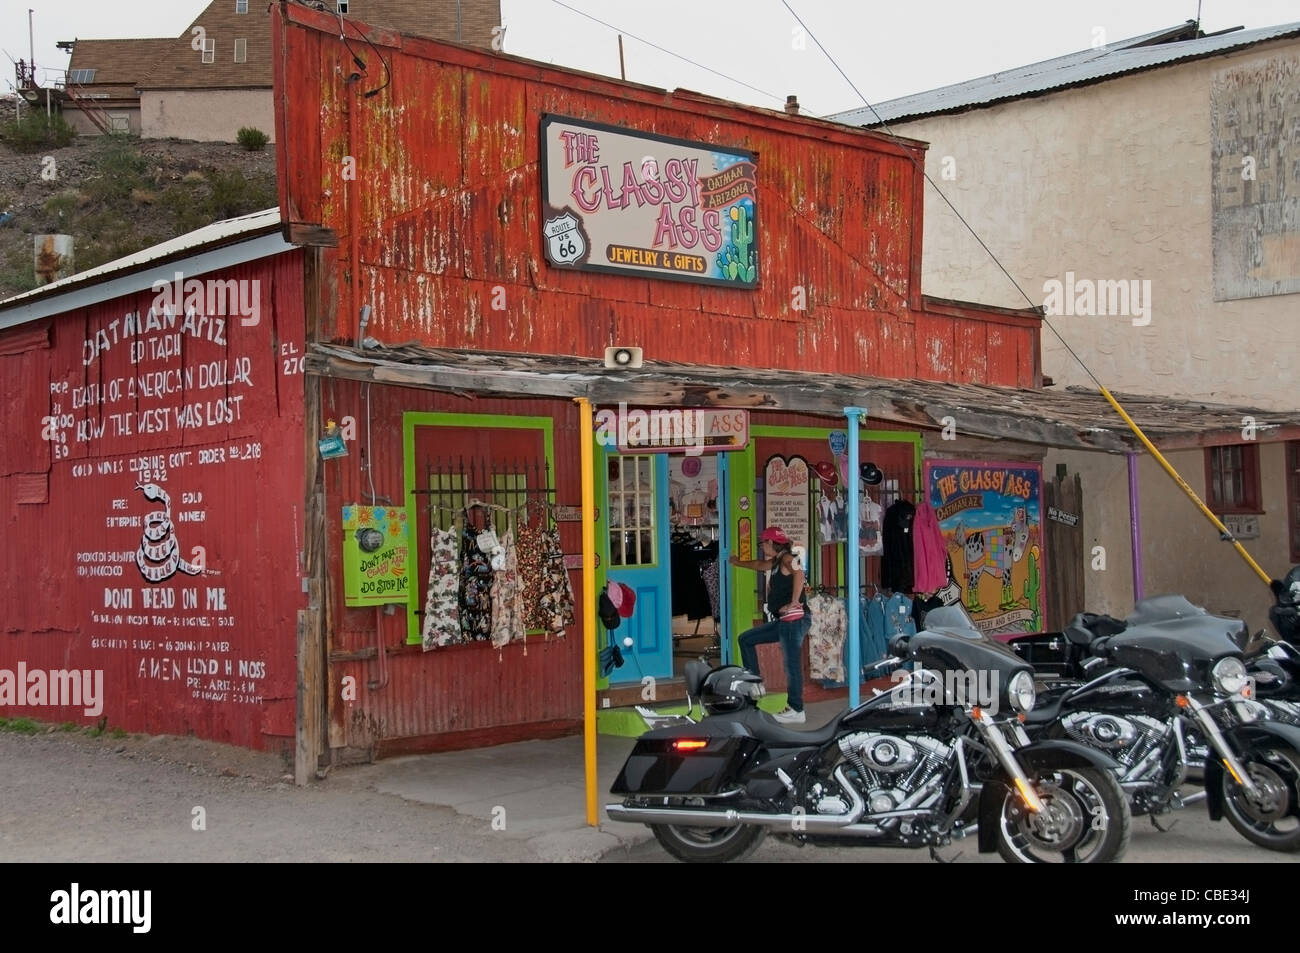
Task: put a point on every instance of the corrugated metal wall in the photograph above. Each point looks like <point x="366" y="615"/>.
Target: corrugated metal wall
<point x="468" y="693"/>
<point x="447" y="178"/>
<point x="210" y="412"/>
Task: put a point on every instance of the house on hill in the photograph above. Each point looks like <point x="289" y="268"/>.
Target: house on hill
<point x="215" y="77"/>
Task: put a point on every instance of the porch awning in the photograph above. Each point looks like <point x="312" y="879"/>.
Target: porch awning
<point x="1075" y="418"/>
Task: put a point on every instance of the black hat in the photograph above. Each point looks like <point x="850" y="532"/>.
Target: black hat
<point x="608" y="611"/>
<point x="871" y="475"/>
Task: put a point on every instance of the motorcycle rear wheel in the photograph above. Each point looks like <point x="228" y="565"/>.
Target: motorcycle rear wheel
<point x="708" y="845"/>
<point x="1085" y="820"/>
<point x="1272" y="819"/>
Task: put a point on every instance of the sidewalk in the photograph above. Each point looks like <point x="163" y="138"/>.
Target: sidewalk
<point x="534" y="788"/>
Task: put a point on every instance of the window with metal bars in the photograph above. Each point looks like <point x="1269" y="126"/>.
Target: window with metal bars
<point x="1232" y="478"/>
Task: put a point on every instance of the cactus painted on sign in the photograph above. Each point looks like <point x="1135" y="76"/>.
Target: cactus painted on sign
<point x="1031" y="592"/>
<point x="737" y="260"/>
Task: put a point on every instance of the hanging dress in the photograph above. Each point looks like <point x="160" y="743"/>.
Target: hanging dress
<point x="441" y="622"/>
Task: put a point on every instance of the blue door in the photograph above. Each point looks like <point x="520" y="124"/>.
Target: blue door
<point x="636" y="553"/>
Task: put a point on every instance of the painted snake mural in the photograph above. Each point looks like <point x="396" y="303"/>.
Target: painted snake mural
<point x="159" y="554"/>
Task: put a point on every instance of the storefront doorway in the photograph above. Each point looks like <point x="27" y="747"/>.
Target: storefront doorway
<point x="662" y="533"/>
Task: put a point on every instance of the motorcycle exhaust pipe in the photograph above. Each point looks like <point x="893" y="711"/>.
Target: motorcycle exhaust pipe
<point x="682" y="817"/>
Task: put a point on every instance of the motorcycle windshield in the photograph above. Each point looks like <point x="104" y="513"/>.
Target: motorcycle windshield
<point x="1178" y="652"/>
<point x="958" y="647"/>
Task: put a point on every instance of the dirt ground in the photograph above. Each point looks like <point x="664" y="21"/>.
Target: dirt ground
<point x="67" y="797"/>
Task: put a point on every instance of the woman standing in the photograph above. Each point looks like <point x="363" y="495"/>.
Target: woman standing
<point x="788" y="606"/>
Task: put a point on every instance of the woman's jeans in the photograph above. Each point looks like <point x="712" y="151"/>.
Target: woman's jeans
<point x="790" y="635"/>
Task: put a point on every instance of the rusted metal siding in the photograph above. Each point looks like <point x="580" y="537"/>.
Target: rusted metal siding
<point x="214" y="415"/>
<point x="448" y="195"/>
<point x="472" y="690"/>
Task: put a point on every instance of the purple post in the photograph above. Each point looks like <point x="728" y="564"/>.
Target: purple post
<point x="1135" y="521"/>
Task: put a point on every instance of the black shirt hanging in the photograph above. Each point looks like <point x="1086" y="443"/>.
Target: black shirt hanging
<point x="896" y="533"/>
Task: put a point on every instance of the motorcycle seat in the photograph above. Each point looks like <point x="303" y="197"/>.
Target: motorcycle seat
<point x="1049" y="711"/>
<point x="770" y="731"/>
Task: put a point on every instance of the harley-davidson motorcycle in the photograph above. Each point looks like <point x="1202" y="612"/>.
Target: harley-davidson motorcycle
<point x="1167" y="681"/>
<point x="918" y="766"/>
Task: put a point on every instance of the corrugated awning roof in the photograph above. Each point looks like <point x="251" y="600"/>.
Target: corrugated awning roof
<point x="1075" y="418"/>
<point x="1162" y="48"/>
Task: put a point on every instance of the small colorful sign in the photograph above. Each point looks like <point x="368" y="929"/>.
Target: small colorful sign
<point x="376" y="543"/>
<point x="618" y="200"/>
<point x="991" y="518"/>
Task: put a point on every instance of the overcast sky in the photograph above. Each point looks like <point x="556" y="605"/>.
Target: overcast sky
<point x="888" y="49"/>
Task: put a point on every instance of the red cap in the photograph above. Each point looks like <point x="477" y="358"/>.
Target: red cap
<point x="775" y="534"/>
<point x="623" y="597"/>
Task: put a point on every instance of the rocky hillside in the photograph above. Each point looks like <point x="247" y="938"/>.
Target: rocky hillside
<point x="116" y="195"/>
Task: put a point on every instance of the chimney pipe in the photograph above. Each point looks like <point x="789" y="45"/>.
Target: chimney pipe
<point x="792" y="105"/>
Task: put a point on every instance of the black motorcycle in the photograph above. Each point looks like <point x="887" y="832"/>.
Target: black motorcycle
<point x="1159" y="685"/>
<point x="939" y="756"/>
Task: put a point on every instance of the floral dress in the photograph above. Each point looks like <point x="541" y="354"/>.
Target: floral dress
<point x="475" y="589"/>
<point x="826" y="638"/>
<point x="507" y="597"/>
<point x="441" y="623"/>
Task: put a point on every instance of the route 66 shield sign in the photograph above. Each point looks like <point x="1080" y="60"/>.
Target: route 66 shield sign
<point x="566" y="243"/>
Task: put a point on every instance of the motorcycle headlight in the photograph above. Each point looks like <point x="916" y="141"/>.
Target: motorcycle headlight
<point x="1022" y="693"/>
<point x="1229" y="675"/>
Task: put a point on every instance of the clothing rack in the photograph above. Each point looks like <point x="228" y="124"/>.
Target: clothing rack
<point x="455" y="485"/>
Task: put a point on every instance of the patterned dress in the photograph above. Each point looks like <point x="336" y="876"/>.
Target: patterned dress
<point x="826" y="638"/>
<point x="507" y="597"/>
<point x="475" y="590"/>
<point x="441" y="623"/>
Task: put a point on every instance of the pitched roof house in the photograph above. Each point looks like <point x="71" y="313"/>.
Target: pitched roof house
<point x="216" y="76"/>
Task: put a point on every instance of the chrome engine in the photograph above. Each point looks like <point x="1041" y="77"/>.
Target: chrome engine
<point x="890" y="769"/>
<point x="1131" y="740"/>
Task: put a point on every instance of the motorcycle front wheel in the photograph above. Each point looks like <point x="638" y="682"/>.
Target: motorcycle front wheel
<point x="1271" y="816"/>
<point x="1085" y="820"/>
<point x="708" y="845"/>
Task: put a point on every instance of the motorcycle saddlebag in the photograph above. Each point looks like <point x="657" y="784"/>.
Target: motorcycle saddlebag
<point x="684" y="760"/>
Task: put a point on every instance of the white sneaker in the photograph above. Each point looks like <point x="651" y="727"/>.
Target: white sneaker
<point x="788" y="716"/>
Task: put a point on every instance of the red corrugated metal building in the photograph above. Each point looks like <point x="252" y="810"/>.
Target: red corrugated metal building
<point x="151" y="481"/>
<point x="465" y="232"/>
<point x="448" y="193"/>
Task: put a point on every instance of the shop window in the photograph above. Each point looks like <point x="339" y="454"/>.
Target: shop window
<point x="1293" y="497"/>
<point x="446" y="494"/>
<point x="631" y="511"/>
<point x="1232" y="478"/>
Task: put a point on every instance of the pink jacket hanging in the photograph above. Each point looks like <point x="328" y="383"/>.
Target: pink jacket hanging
<point x="930" y="551"/>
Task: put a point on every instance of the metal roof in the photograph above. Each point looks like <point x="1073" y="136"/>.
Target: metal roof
<point x="204" y="249"/>
<point x="1149" y="51"/>
<point x="1074" y="418"/>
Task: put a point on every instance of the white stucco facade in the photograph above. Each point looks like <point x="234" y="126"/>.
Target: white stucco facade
<point x="1112" y="182"/>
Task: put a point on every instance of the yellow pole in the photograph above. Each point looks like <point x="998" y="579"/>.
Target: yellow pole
<point x="1205" y="510"/>
<point x="586" y="429"/>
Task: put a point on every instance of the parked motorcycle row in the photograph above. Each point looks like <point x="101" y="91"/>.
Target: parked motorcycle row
<point x="1043" y="765"/>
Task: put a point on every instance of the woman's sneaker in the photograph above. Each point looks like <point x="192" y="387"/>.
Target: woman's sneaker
<point x="788" y="716"/>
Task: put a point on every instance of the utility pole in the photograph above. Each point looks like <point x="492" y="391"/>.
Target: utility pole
<point x="31" y="45"/>
<point x="622" y="73"/>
